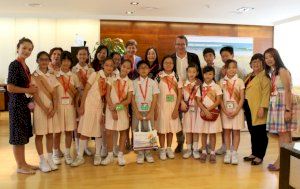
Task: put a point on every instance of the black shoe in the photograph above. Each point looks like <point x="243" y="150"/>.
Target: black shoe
<point x="256" y="162"/>
<point x="179" y="148"/>
<point x="249" y="158"/>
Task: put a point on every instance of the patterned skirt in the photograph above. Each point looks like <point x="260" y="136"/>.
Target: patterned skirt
<point x="275" y="120"/>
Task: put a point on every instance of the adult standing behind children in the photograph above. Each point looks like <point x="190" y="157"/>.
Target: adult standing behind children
<point x="182" y="59"/>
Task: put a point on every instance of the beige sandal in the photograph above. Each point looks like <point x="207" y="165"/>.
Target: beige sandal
<point x="25" y="171"/>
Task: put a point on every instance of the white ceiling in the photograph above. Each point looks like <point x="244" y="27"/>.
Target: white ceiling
<point x="266" y="12"/>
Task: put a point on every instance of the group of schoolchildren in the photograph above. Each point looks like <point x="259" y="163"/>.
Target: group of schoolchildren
<point x="104" y="104"/>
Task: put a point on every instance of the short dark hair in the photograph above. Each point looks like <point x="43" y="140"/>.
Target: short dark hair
<point x="114" y="53"/>
<point x="227" y="63"/>
<point x="66" y="55"/>
<point x="131" y="42"/>
<point x="83" y="48"/>
<point x="142" y="62"/>
<point x="55" y="49"/>
<point x="208" y="69"/>
<point x="40" y="54"/>
<point x="209" y="50"/>
<point x="228" y="49"/>
<point x="126" y="60"/>
<point x="193" y="65"/>
<point x="183" y="37"/>
<point x="24" y="40"/>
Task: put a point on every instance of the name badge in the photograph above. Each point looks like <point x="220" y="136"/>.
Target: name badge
<point x="170" y="98"/>
<point x="120" y="107"/>
<point x="144" y="106"/>
<point x="192" y="108"/>
<point x="65" y="100"/>
<point x="230" y="105"/>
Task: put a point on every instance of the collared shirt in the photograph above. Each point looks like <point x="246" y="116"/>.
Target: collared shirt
<point x="140" y="84"/>
<point x="238" y="85"/>
<point x="181" y="65"/>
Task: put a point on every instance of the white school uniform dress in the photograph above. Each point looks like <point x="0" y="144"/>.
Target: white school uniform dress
<point x="89" y="124"/>
<point x="143" y="92"/>
<point x="189" y="118"/>
<point x="123" y="120"/>
<point x="238" y="122"/>
<point x="166" y="106"/>
<point x="43" y="125"/>
<point x="209" y="127"/>
<point x="66" y="107"/>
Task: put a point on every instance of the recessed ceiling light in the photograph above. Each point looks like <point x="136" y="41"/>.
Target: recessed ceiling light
<point x="34" y="5"/>
<point x="129" y="12"/>
<point x="150" y="8"/>
<point x="134" y="3"/>
<point x="244" y="9"/>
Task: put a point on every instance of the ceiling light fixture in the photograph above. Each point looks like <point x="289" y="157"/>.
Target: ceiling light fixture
<point x="134" y="3"/>
<point x="129" y="12"/>
<point x="34" y="5"/>
<point x="244" y="9"/>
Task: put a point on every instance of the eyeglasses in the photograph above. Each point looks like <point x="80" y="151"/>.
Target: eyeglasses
<point x="180" y="44"/>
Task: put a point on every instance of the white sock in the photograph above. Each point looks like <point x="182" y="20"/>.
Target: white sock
<point x="55" y="151"/>
<point x="189" y="147"/>
<point x="228" y="152"/>
<point x="120" y="153"/>
<point x="50" y="155"/>
<point x="98" y="146"/>
<point x="195" y="146"/>
<point x="76" y="143"/>
<point x="212" y="152"/>
<point x="169" y="148"/>
<point x="42" y="158"/>
<point x="67" y="151"/>
<point x="234" y="152"/>
<point x="86" y="144"/>
<point x="110" y="154"/>
<point x="82" y="144"/>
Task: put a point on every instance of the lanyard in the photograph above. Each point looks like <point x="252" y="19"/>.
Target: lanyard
<point x="25" y="69"/>
<point x="169" y="82"/>
<point x="230" y="89"/>
<point x="146" y="90"/>
<point x="120" y="89"/>
<point x="192" y="92"/>
<point x="66" y="85"/>
<point x="273" y="79"/>
<point x="205" y="90"/>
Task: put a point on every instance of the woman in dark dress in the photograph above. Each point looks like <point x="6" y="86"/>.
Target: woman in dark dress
<point x="18" y="83"/>
<point x="151" y="57"/>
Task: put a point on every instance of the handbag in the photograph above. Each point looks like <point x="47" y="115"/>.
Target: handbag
<point x="215" y="114"/>
<point x="145" y="140"/>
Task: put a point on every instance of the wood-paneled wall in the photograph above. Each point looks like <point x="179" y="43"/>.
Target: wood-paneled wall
<point x="162" y="34"/>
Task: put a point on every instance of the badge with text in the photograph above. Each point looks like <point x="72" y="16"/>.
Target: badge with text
<point x="170" y="98"/>
<point x="65" y="101"/>
<point x="120" y="107"/>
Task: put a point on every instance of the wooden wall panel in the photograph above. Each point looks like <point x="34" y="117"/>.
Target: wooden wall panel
<point x="162" y="34"/>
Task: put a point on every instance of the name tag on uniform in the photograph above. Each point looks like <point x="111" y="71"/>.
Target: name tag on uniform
<point x="192" y="108"/>
<point x="230" y="105"/>
<point x="65" y="101"/>
<point x="120" y="107"/>
<point x="144" y="106"/>
<point x="170" y="98"/>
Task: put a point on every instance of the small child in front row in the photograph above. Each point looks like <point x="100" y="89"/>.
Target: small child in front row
<point x="209" y="98"/>
<point x="91" y="110"/>
<point x="45" y="121"/>
<point x="170" y="87"/>
<point x="118" y="97"/>
<point x="67" y="92"/>
<point x="190" y="111"/>
<point x="232" y="113"/>
<point x="143" y="104"/>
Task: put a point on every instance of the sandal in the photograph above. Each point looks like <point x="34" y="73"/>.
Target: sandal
<point x="25" y="171"/>
<point x="203" y="157"/>
<point x="272" y="167"/>
<point x="256" y="162"/>
<point x="249" y="158"/>
<point x="212" y="158"/>
<point x="33" y="167"/>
